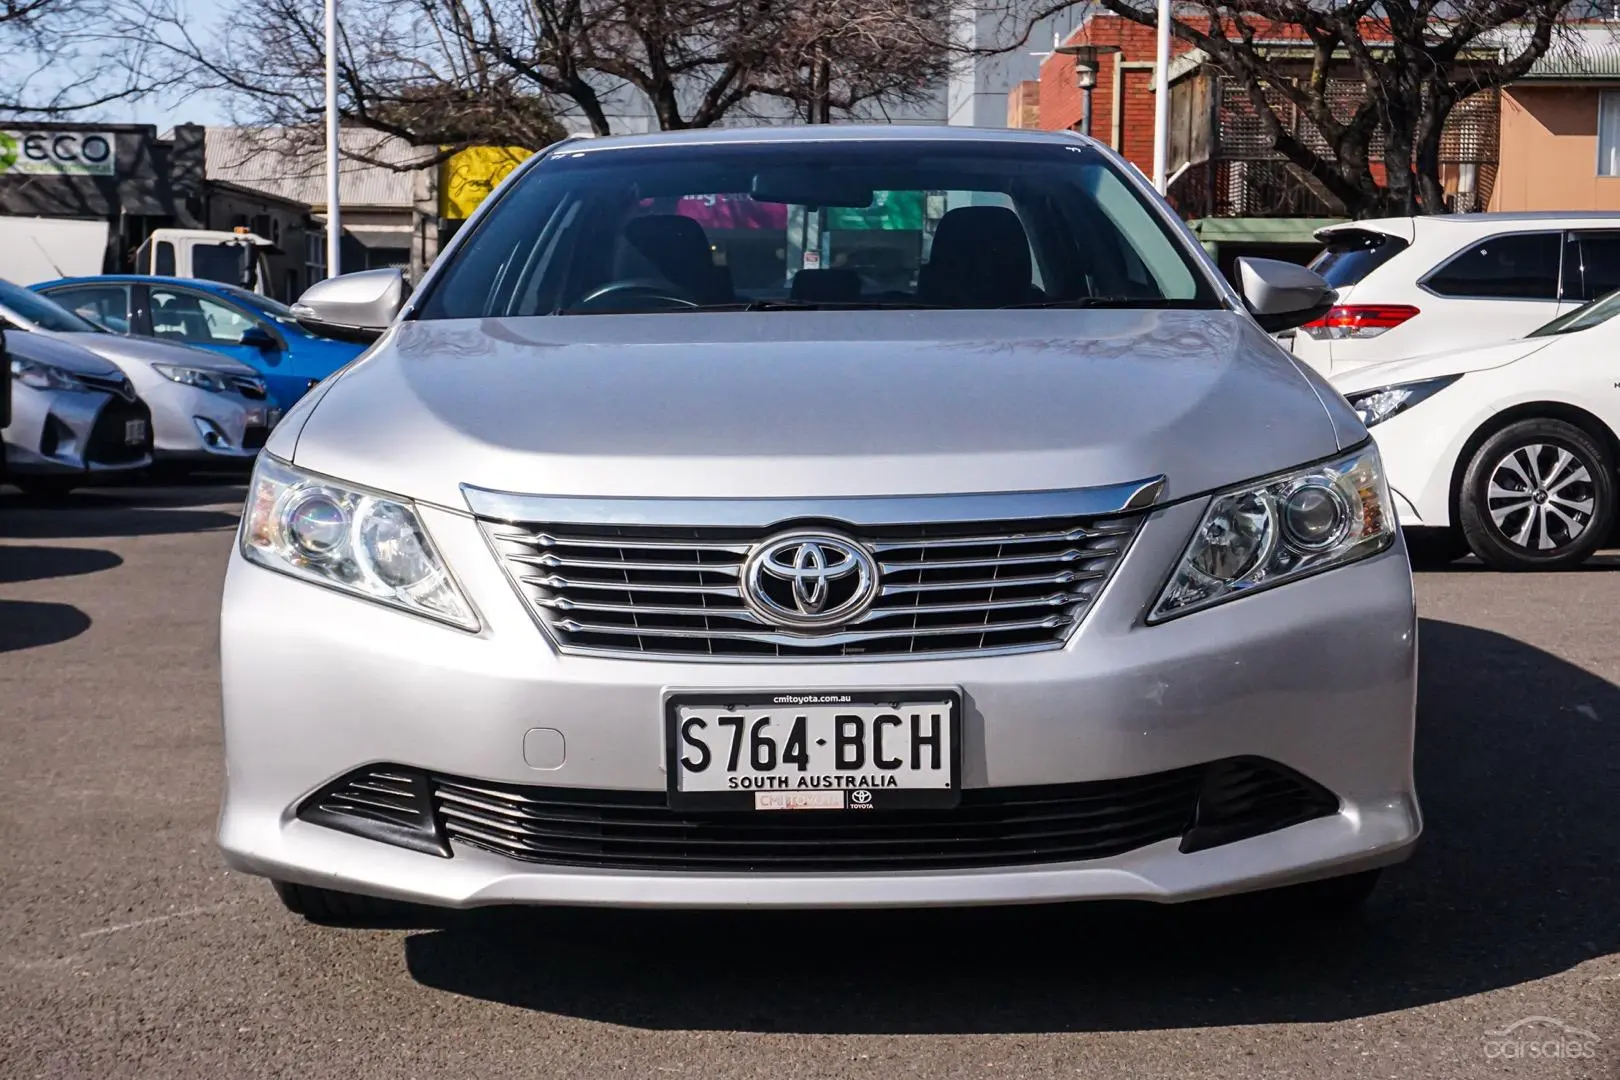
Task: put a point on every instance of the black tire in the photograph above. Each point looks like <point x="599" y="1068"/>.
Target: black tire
<point x="1508" y="533"/>
<point x="47" y="487"/>
<point x="337" y="908"/>
<point x="1435" y="545"/>
<point x="1329" y="897"/>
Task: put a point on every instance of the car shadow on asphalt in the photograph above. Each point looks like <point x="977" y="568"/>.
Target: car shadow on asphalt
<point x="20" y="563"/>
<point x="94" y="514"/>
<point x="1518" y="766"/>
<point x="26" y="625"/>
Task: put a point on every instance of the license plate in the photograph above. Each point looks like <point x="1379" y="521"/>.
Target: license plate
<point x="134" y="432"/>
<point x="814" y="750"/>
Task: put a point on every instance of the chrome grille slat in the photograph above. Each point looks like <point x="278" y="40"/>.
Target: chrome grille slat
<point x="550" y="540"/>
<point x="944" y="588"/>
<point x="1069" y="556"/>
<point x="558" y="582"/>
<point x="1063" y="578"/>
<point x="1064" y="536"/>
<point x="551" y="561"/>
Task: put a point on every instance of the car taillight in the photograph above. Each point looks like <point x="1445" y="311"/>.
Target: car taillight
<point x="1358" y="321"/>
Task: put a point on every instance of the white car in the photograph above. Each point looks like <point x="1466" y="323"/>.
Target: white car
<point x="1412" y="286"/>
<point x="1510" y="447"/>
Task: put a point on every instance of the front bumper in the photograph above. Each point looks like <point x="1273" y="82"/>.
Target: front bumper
<point x="193" y="425"/>
<point x="72" y="433"/>
<point x="1318" y="675"/>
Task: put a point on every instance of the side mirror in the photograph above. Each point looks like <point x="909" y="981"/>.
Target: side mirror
<point x="257" y="337"/>
<point x="353" y="307"/>
<point x="1282" y="295"/>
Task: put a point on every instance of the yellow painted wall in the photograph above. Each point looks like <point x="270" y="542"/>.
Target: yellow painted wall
<point x="1549" y="152"/>
<point x="466" y="179"/>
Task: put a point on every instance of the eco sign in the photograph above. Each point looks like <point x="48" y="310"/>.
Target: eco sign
<point x="57" y="153"/>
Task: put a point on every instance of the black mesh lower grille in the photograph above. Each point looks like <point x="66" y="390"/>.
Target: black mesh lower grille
<point x="254" y="438"/>
<point x="1205" y="805"/>
<point x="109" y="444"/>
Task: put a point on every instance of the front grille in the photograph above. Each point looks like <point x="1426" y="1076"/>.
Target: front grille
<point x="117" y="385"/>
<point x="958" y="588"/>
<point x="248" y="387"/>
<point x="991" y="827"/>
<point x="1205" y="805"/>
<point x="384" y="802"/>
<point x="254" y="438"/>
<point x="106" y="445"/>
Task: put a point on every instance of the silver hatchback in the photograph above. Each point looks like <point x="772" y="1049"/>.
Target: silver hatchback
<point x="818" y="517"/>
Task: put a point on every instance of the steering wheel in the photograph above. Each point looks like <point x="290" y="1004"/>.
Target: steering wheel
<point x="634" y="289"/>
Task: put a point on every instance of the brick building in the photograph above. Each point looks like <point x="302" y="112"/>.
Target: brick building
<point x="1236" y="192"/>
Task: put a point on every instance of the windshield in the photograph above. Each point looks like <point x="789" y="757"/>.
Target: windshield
<point x="234" y="262"/>
<point x="1352" y="254"/>
<point x="875" y="223"/>
<point x="262" y="304"/>
<point x="1582" y="318"/>
<point x="41" y="312"/>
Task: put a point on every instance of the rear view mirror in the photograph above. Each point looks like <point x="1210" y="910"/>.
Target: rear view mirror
<point x="353" y="307"/>
<point x="809" y="187"/>
<point x="1282" y="295"/>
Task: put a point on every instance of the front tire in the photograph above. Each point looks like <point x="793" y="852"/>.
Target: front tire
<point x="1537" y="495"/>
<point x="47" y="488"/>
<point x="1328" y="898"/>
<point x="337" y="908"/>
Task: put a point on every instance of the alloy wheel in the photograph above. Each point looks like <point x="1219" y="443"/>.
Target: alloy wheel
<point x="1540" y="497"/>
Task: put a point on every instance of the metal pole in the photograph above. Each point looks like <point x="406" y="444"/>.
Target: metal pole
<point x="1161" y="100"/>
<point x="334" y="211"/>
<point x="1085" y="111"/>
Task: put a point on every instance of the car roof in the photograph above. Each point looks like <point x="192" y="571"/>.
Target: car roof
<point x="125" y="279"/>
<point x="810" y="133"/>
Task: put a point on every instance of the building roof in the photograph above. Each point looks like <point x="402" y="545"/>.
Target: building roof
<point x="291" y="163"/>
<point x="1580" y="53"/>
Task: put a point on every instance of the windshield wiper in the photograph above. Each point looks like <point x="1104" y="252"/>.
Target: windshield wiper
<point x="1143" y="303"/>
<point x="820" y="305"/>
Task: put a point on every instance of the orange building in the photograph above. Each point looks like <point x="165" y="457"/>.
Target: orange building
<point x="1561" y="128"/>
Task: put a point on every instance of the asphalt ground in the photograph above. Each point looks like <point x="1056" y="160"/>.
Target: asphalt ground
<point x="128" y="950"/>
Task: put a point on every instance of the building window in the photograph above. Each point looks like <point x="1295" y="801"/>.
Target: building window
<point x="1608" y="133"/>
<point x="315" y="256"/>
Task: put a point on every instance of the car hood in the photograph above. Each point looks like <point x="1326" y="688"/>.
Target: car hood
<point x="1433" y="365"/>
<point x="50" y="349"/>
<point x="817" y="404"/>
<point x="121" y="350"/>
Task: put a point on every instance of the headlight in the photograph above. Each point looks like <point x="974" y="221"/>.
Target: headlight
<point x="44" y="376"/>
<point x="1376" y="406"/>
<point x="1275" y="530"/>
<point x="355" y="540"/>
<point x="201" y="378"/>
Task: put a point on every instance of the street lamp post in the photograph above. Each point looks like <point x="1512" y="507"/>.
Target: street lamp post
<point x="334" y="211"/>
<point x="1086" y="59"/>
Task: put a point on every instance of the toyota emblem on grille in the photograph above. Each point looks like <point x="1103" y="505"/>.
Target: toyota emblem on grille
<point x="805" y="581"/>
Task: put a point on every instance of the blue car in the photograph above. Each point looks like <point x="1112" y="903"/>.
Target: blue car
<point x="255" y="329"/>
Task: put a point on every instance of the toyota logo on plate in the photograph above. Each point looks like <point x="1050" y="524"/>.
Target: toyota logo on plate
<point x="804" y="581"/>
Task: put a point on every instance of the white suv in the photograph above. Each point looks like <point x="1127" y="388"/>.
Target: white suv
<point x="1415" y="285"/>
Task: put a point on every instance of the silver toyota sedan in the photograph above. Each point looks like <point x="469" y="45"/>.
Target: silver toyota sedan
<point x="208" y="411"/>
<point x="828" y="517"/>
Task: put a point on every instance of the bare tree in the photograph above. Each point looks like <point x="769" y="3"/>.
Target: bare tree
<point x="65" y="57"/>
<point x="454" y="73"/>
<point x="1414" y="61"/>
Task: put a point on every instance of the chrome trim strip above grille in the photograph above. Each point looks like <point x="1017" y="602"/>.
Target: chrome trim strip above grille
<point x="515" y="507"/>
